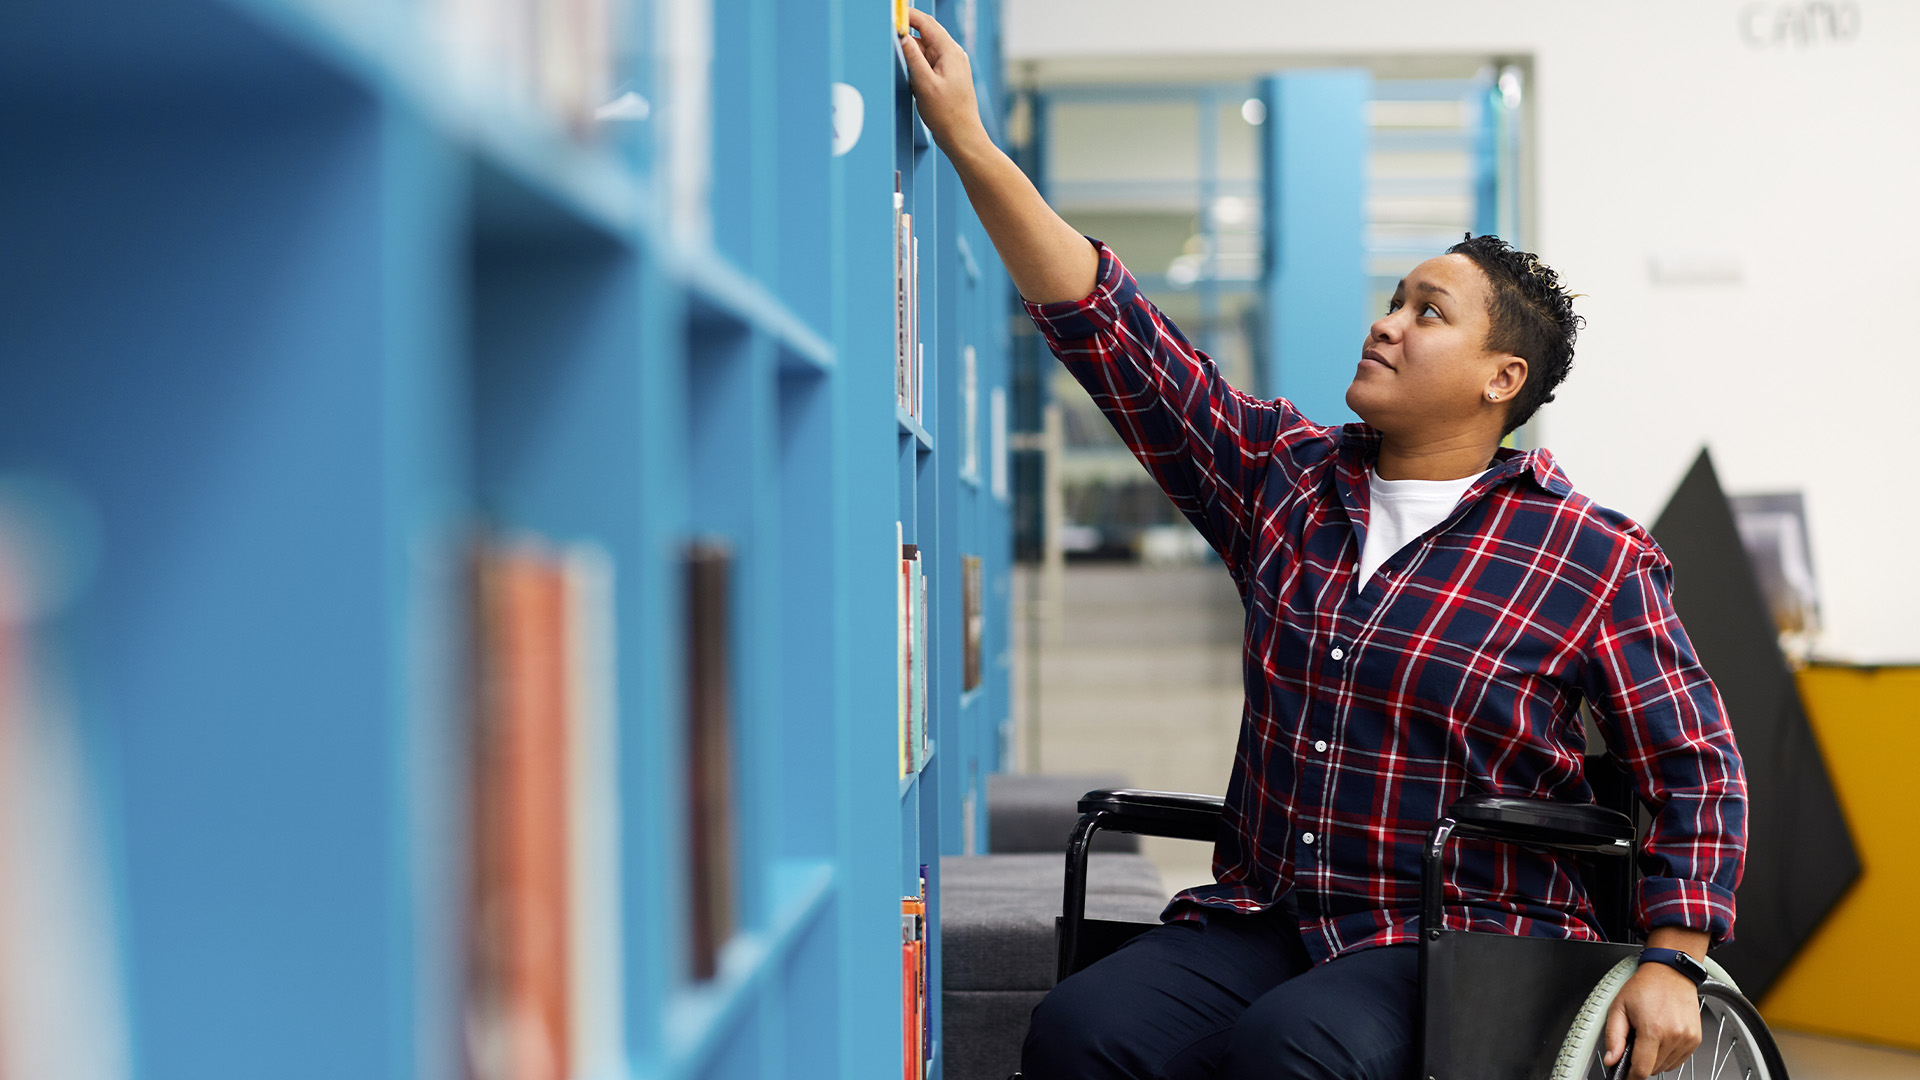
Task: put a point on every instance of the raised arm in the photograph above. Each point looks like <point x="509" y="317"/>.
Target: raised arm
<point x="1210" y="447"/>
<point x="1048" y="260"/>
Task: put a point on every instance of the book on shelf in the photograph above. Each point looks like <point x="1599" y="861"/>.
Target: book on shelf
<point x="910" y="1004"/>
<point x="907" y="348"/>
<point x="519" y="997"/>
<point x="973" y="616"/>
<point x="544" y="880"/>
<point x="682" y="34"/>
<point x="709" y="719"/>
<point x="899" y="294"/>
<point x="926" y="980"/>
<point x="916" y="1018"/>
<point x="917" y="351"/>
<point x="922" y="728"/>
<point x="598" y="1030"/>
<point x="556" y="56"/>
<point x="915" y="737"/>
<point x="997" y="442"/>
<point x="903" y="656"/>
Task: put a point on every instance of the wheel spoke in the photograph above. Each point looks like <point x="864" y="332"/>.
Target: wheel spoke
<point x="1717" y="1062"/>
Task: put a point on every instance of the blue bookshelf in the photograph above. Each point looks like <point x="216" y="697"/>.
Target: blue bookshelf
<point x="291" y="314"/>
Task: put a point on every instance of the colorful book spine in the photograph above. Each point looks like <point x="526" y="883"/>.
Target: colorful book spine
<point x="909" y="996"/>
<point x="916" y="1020"/>
<point x="709" y="740"/>
<point x="520" y="986"/>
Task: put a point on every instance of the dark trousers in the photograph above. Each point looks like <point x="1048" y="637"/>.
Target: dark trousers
<point x="1234" y="999"/>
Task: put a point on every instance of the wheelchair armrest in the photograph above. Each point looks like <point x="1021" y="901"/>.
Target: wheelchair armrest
<point x="1534" y="822"/>
<point x="1156" y="813"/>
<point x="1544" y="822"/>
<point x="1128" y="810"/>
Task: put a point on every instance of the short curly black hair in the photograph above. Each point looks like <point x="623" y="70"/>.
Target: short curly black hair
<point x="1532" y="317"/>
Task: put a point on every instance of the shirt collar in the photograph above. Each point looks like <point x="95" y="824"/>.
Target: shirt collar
<point x="1360" y="447"/>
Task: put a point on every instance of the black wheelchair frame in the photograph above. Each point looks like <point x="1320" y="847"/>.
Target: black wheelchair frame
<point x="1493" y="1006"/>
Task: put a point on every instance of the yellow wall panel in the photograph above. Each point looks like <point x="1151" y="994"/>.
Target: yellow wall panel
<point x="1860" y="975"/>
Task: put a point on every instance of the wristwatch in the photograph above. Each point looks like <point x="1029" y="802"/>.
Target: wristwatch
<point x="1678" y="961"/>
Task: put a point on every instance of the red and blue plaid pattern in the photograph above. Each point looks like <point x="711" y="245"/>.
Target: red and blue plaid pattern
<point x="1459" y="669"/>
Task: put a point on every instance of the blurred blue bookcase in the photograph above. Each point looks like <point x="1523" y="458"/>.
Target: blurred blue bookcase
<point x="290" y="312"/>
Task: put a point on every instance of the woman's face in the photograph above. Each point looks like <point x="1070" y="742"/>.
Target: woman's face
<point x="1424" y="366"/>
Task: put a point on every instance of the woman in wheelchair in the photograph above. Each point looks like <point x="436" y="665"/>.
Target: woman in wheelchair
<point x="1426" y="615"/>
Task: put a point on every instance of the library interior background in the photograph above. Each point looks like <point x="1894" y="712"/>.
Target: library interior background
<point x="537" y="541"/>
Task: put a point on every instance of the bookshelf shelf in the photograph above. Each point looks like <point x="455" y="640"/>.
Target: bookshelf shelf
<point x="910" y="782"/>
<point x="910" y="426"/>
<point x="702" y="1017"/>
<point x="717" y="283"/>
<point x="549" y="177"/>
<point x="412" y="419"/>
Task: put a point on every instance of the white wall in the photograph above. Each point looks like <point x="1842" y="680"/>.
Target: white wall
<point x="1662" y="134"/>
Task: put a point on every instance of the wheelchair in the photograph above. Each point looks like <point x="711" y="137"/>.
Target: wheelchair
<point x="1492" y="1006"/>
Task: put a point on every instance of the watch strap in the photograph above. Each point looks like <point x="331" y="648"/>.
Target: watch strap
<point x="1678" y="961"/>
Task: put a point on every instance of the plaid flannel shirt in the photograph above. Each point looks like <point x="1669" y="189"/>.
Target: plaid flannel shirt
<point x="1458" y="669"/>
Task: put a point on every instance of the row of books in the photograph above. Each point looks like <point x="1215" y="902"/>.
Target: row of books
<point x="908" y="352"/>
<point x="555" y="55"/>
<point x="916" y="742"/>
<point x="916" y="1018"/>
<point x="916" y="739"/>
<point x="543" y="984"/>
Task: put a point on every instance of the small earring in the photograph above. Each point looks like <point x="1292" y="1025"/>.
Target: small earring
<point x="1491" y="396"/>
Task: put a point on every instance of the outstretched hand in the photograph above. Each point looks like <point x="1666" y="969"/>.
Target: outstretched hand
<point x="941" y="77"/>
<point x="1047" y="258"/>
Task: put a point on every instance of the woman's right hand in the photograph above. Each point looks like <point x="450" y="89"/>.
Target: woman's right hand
<point x="1047" y="258"/>
<point x="942" y="80"/>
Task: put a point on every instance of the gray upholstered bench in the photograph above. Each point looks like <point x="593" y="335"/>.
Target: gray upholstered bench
<point x="1037" y="812"/>
<point x="997" y="915"/>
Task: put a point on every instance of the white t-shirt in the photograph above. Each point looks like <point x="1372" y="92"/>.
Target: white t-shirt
<point x="1401" y="511"/>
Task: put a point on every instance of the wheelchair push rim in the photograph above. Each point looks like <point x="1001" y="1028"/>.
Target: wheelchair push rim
<point x="1734" y="1042"/>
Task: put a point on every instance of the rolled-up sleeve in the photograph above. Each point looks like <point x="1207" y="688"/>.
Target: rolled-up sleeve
<point x="1205" y="443"/>
<point x="1660" y="711"/>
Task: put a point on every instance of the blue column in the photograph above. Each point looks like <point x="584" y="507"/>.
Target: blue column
<point x="1314" y="183"/>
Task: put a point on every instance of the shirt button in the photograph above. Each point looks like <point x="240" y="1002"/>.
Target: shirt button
<point x="1339" y="653"/>
<point x="1306" y="838"/>
<point x="1320" y="745"/>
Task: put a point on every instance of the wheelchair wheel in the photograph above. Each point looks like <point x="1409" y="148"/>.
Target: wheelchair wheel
<point x="1734" y="1042"/>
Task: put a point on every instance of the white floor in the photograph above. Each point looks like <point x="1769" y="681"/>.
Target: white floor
<point x="1141" y="677"/>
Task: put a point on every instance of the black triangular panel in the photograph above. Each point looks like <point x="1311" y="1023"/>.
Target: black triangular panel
<point x="1800" y="854"/>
